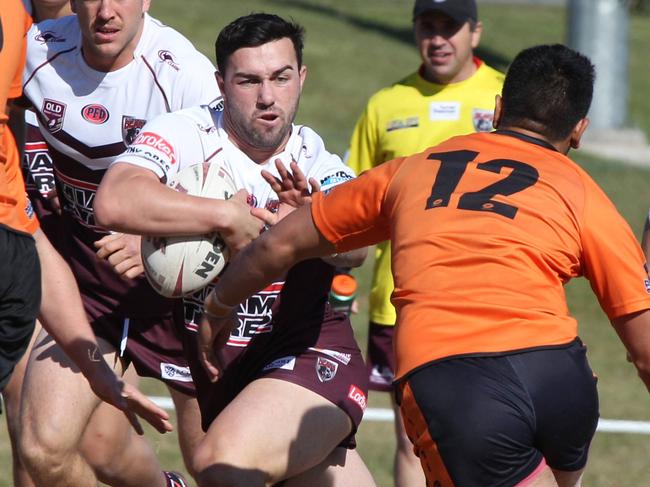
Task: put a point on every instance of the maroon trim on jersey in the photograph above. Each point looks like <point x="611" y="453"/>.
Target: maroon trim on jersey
<point x="153" y="73"/>
<point x="96" y="152"/>
<point x="213" y="154"/>
<point x="46" y="62"/>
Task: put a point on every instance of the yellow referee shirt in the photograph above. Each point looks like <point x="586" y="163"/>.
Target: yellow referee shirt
<point x="406" y="118"/>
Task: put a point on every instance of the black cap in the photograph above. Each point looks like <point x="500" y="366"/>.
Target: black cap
<point x="459" y="10"/>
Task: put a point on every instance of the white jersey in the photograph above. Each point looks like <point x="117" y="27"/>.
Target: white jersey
<point x="91" y="116"/>
<point x="174" y="141"/>
<point x="88" y="118"/>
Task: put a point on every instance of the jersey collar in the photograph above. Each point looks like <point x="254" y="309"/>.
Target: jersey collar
<point x="527" y="138"/>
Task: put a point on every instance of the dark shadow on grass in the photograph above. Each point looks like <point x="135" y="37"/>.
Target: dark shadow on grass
<point x="399" y="34"/>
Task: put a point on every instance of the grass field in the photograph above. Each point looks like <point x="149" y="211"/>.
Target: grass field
<point x="353" y="48"/>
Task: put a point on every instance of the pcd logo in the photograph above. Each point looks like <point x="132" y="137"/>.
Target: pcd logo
<point x="53" y="111"/>
<point x="95" y="113"/>
<point x="167" y="57"/>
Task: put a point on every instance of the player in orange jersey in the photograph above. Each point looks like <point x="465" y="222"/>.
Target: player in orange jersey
<point x="485" y="229"/>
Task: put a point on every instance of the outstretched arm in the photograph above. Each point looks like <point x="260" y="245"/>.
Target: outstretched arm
<point x="63" y="316"/>
<point x="132" y="199"/>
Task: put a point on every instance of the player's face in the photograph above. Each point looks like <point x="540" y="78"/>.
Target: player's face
<point x="110" y="30"/>
<point x="261" y="89"/>
<point x="446" y="47"/>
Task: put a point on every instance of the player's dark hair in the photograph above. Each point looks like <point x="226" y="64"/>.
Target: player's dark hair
<point x="255" y="30"/>
<point x="547" y="89"/>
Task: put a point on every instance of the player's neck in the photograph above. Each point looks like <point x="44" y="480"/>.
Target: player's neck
<point x="562" y="146"/>
<point x="44" y="12"/>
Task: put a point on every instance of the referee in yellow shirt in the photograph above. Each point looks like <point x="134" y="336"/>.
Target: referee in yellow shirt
<point x="452" y="93"/>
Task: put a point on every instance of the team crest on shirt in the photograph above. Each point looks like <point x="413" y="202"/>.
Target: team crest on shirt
<point x="167" y="57"/>
<point x="54" y="112"/>
<point x="482" y="119"/>
<point x="326" y="369"/>
<point x="131" y="127"/>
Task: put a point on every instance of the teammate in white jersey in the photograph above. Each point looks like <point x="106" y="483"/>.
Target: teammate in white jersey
<point x="94" y="80"/>
<point x="292" y="389"/>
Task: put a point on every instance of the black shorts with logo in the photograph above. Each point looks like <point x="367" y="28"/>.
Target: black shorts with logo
<point x="20" y="297"/>
<point x="492" y="420"/>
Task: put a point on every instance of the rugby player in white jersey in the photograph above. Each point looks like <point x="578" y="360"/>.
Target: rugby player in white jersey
<point x="288" y="401"/>
<point x="94" y="81"/>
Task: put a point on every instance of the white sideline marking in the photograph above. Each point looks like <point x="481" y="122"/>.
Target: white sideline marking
<point x="375" y="414"/>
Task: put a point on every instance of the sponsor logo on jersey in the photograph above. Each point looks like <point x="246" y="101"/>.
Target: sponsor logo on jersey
<point x="647" y="285"/>
<point x="47" y="37"/>
<point x="272" y="205"/>
<point x="156" y="142"/>
<point x="167" y="57"/>
<point x="326" y="369"/>
<point x="39" y="172"/>
<point x="95" y="113"/>
<point x="358" y="396"/>
<point x="54" y="113"/>
<point x="131" y="127"/>
<point x="444" y="110"/>
<point x="284" y="363"/>
<point x="482" y="119"/>
<point x="216" y="104"/>
<point x="29" y="209"/>
<point x="344" y="358"/>
<point x="328" y="182"/>
<point x="403" y="124"/>
<point x="175" y="372"/>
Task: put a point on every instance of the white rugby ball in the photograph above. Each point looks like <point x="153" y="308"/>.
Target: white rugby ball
<point x="180" y="265"/>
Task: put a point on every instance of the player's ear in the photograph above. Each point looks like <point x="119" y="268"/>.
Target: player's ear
<point x="73" y="7"/>
<point x="220" y="81"/>
<point x="577" y="132"/>
<point x="145" y="5"/>
<point x="303" y="75"/>
<point x="498" y="111"/>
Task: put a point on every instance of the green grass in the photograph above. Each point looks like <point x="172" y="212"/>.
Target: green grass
<point x="353" y="48"/>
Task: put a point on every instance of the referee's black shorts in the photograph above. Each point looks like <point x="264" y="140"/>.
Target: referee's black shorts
<point x="493" y="420"/>
<point x="20" y="297"/>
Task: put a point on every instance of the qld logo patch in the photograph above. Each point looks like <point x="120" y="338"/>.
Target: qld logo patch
<point x="54" y="113"/>
<point x="95" y="113"/>
<point x="131" y="127"/>
<point x="326" y="369"/>
<point x="482" y="120"/>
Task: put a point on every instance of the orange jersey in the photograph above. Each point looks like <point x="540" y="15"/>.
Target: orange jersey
<point x="485" y="230"/>
<point x="15" y="209"/>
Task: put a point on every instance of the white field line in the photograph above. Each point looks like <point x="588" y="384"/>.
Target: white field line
<point x="376" y="414"/>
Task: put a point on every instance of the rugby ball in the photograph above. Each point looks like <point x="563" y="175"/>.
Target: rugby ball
<point x="180" y="265"/>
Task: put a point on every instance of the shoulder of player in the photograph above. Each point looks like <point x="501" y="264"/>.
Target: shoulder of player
<point x="488" y="75"/>
<point x="196" y="118"/>
<point x="53" y="36"/>
<point x="168" y="52"/>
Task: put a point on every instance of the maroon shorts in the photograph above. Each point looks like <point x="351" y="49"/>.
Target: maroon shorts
<point x="381" y="358"/>
<point x="324" y="359"/>
<point x="152" y="344"/>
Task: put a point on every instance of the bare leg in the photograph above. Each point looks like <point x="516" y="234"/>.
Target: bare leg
<point x="273" y="430"/>
<point x="408" y="469"/>
<point x="190" y="433"/>
<point x="11" y="397"/>
<point x="57" y="408"/>
<point x="342" y="468"/>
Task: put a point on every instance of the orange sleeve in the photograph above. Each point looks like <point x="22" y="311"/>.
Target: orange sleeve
<point x="613" y="260"/>
<point x="353" y="214"/>
<point x="16" y="87"/>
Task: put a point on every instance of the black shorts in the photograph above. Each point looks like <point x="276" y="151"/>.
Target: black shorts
<point x="381" y="357"/>
<point x="20" y="297"/>
<point x="492" y="420"/>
